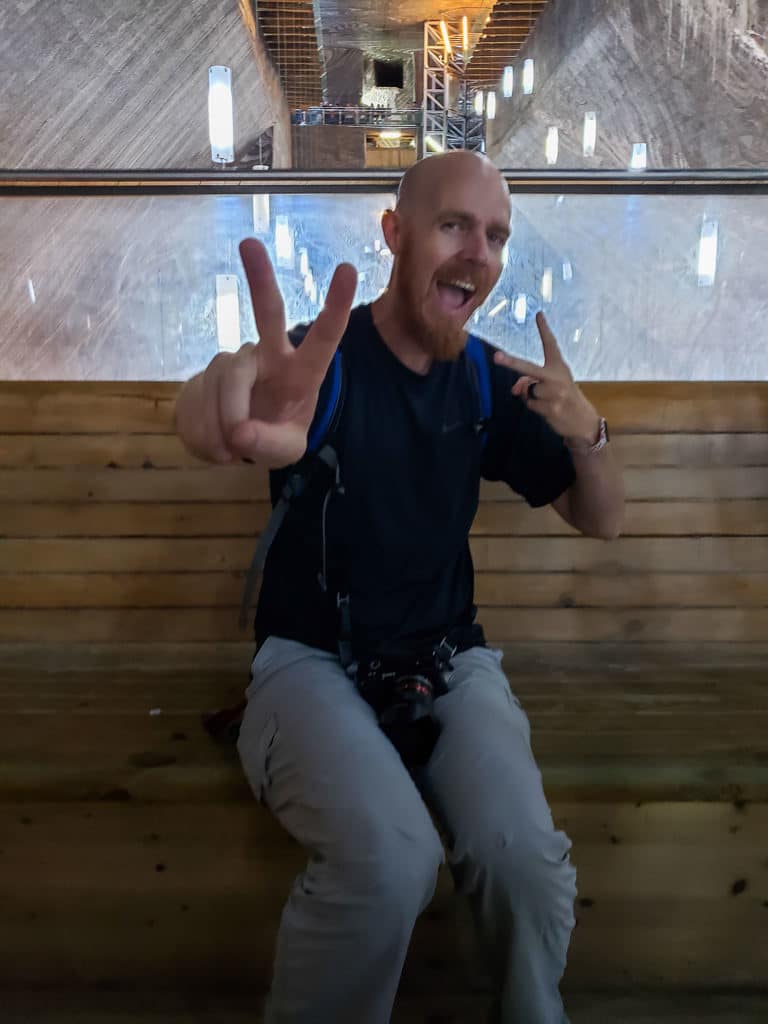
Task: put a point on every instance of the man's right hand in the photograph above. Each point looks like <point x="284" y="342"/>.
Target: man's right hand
<point x="258" y="403"/>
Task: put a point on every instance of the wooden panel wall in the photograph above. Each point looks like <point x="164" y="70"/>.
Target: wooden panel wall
<point x="109" y="532"/>
<point x="132" y="853"/>
<point x="189" y="895"/>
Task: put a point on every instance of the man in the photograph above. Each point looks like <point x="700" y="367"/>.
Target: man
<point x="410" y="457"/>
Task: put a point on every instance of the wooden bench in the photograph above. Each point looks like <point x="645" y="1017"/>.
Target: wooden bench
<point x="131" y="851"/>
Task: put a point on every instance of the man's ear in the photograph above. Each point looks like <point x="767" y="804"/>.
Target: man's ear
<point x="390" y="225"/>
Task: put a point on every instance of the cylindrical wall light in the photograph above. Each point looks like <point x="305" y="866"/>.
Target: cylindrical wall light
<point x="227" y="313"/>
<point x="528" y="76"/>
<point x="552" y="144"/>
<point x="590" y="133"/>
<point x="708" y="254"/>
<point x="639" y="159"/>
<point x="221" y="121"/>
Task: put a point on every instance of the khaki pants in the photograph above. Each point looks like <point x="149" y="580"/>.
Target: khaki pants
<point x="313" y="752"/>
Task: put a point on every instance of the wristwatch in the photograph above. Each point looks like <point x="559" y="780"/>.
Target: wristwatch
<point x="603" y="437"/>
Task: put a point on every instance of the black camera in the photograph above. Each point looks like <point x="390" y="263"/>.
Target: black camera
<point x="402" y="690"/>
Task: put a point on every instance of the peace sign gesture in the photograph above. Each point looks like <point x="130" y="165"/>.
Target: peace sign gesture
<point x="551" y="391"/>
<point x="258" y="403"/>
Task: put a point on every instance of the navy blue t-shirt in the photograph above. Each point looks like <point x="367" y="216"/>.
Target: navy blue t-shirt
<point x="411" y="460"/>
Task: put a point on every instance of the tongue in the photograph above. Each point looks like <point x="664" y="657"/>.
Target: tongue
<point x="452" y="298"/>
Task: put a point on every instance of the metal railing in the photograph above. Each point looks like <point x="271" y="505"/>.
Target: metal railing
<point x="171" y="182"/>
<point x="357" y="117"/>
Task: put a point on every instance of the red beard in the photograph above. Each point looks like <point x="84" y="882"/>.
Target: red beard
<point x="442" y="338"/>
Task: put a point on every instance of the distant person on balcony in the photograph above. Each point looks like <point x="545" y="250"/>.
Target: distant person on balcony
<point x="374" y="698"/>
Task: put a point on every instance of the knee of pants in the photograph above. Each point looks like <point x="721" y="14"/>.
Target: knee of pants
<point x="532" y="867"/>
<point x="389" y="866"/>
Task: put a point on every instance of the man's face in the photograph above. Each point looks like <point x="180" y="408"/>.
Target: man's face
<point x="449" y="258"/>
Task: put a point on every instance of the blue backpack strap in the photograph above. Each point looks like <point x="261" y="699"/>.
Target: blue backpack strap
<point x="475" y="349"/>
<point x="323" y="421"/>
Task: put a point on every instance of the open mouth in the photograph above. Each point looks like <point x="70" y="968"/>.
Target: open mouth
<point x="455" y="295"/>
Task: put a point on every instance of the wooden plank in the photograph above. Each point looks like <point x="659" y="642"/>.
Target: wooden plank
<point x="719" y="625"/>
<point x="638" y="665"/>
<point x="122" y="590"/>
<point x="224" y="1007"/>
<point x="642" y="519"/>
<point x="692" y="449"/>
<point x="133" y="758"/>
<point x="508" y="590"/>
<point x="147" y="407"/>
<point x="697" y="407"/>
<point x="627" y="554"/>
<point x="157" y="752"/>
<point x="126" y="555"/>
<point x="133" y="451"/>
<point x="99" y="625"/>
<point x="246" y="518"/>
<point x="695" y="732"/>
<point x="653" y="484"/>
<point x="84" y="900"/>
<point x="685" y="483"/>
<point x="243" y="483"/>
<point x="638" y="590"/>
<point x="127" y="451"/>
<point x="503" y="625"/>
<point x="673" y="691"/>
<point x="60" y="661"/>
<point x="168" y="519"/>
<point x="203" y="483"/>
<point x="536" y="555"/>
<point x="88" y="408"/>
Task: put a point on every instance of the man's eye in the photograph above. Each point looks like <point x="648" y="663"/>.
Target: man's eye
<point x="450" y="224"/>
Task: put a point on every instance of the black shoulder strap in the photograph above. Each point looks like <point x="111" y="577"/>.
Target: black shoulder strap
<point x="319" y="447"/>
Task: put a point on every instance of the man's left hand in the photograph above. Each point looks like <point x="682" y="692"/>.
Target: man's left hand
<point x="551" y="391"/>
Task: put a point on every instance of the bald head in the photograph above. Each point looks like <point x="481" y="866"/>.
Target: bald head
<point x="447" y="234"/>
<point x="426" y="180"/>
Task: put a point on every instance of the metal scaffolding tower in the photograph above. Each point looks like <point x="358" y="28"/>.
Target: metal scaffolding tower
<point x="449" y="120"/>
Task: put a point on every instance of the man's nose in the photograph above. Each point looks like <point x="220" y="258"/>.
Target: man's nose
<point x="476" y="247"/>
